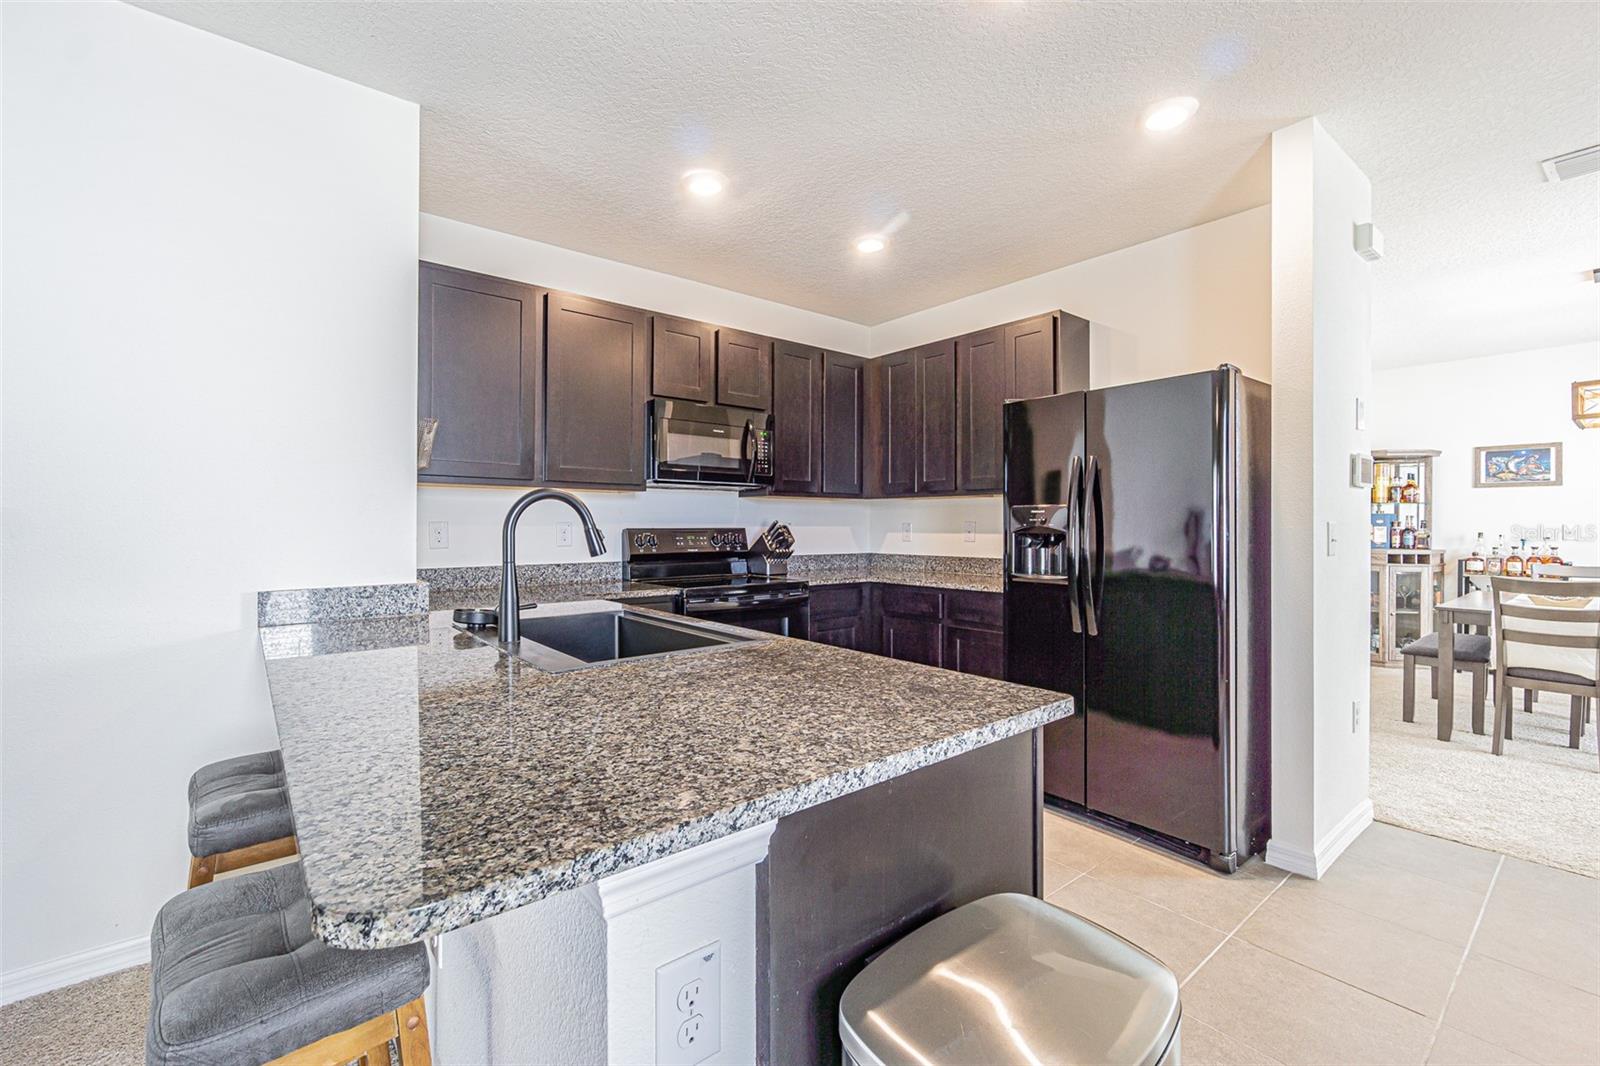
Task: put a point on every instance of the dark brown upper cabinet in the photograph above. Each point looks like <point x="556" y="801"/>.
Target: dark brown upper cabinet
<point x="936" y="417"/>
<point x="597" y="379"/>
<point x="478" y="374"/>
<point x="797" y="374"/>
<point x="980" y="397"/>
<point x="744" y="370"/>
<point x="683" y="359"/>
<point x="1030" y="358"/>
<point x="899" y="435"/>
<point x="844" y="408"/>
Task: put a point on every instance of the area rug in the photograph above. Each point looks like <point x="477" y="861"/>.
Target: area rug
<point x="1539" y="801"/>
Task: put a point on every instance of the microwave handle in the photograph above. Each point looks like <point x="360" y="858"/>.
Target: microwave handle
<point x="747" y="438"/>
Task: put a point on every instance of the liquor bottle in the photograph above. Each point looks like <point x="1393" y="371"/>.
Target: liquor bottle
<point x="1476" y="563"/>
<point x="1394" y="534"/>
<point x="1424" y="538"/>
<point x="1555" y="554"/>
<point x="1516" y="563"/>
<point x="1497" y="558"/>
<point x="1408" y="536"/>
<point x="1409" y="492"/>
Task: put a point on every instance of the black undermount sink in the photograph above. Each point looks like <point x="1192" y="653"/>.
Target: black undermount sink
<point x="561" y="640"/>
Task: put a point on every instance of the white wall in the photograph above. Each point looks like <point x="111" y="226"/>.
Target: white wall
<point x="1321" y="362"/>
<point x="1514" y="398"/>
<point x="1184" y="302"/>
<point x="210" y="364"/>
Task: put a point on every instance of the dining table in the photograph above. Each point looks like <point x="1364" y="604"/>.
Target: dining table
<point x="1474" y="609"/>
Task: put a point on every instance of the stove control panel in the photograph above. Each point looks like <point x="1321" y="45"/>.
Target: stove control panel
<point x="641" y="542"/>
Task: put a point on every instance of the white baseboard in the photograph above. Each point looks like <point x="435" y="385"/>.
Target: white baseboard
<point x="1329" y="848"/>
<point x="70" y="969"/>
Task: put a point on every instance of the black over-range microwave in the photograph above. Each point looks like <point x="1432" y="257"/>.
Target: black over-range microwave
<point x="709" y="446"/>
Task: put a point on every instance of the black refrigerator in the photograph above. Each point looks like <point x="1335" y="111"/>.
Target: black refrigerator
<point x="1137" y="580"/>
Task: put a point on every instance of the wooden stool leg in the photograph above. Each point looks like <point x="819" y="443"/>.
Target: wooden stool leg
<point x="1502" y="713"/>
<point x="199" y="871"/>
<point x="413" y="1022"/>
<point x="1478" y="679"/>
<point x="1575" y="722"/>
<point x="1408" y="699"/>
<point x="1527" y="700"/>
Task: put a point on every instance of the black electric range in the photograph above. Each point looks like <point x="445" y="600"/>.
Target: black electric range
<point x="710" y="568"/>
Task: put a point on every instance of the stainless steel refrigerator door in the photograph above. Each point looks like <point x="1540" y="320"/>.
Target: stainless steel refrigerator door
<point x="1044" y="631"/>
<point x="1153" y="691"/>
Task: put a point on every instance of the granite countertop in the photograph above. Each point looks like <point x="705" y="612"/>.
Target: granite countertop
<point x="448" y="599"/>
<point x="437" y="781"/>
<point x="940" y="579"/>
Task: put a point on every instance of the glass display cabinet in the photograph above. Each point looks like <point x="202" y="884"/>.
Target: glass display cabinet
<point x="1407" y="571"/>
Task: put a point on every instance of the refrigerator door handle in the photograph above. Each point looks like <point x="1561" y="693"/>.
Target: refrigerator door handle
<point x="1094" y="574"/>
<point x="1087" y="570"/>
<point x="1074" y="540"/>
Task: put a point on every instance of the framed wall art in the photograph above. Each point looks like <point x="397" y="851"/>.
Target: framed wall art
<point x="1521" y="465"/>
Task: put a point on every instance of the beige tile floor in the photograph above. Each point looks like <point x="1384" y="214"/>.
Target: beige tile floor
<point x="1411" y="950"/>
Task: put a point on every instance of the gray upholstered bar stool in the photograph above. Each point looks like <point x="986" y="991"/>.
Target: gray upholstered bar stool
<point x="238" y="815"/>
<point x="238" y="976"/>
<point x="1471" y="656"/>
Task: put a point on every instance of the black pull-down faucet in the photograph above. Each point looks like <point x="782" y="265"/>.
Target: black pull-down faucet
<point x="509" y="605"/>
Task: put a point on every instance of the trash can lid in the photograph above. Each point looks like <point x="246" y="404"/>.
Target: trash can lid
<point x="1010" y="978"/>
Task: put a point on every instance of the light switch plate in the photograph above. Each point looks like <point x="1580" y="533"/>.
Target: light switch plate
<point x="1361" y="412"/>
<point x="1333" y="538"/>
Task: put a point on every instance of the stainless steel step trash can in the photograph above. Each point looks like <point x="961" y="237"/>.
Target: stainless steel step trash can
<point x="1011" y="979"/>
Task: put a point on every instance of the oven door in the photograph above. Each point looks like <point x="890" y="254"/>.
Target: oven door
<point x="787" y="617"/>
<point x="702" y="444"/>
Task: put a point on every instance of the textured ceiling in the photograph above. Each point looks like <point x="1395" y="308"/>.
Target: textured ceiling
<point x="1004" y="136"/>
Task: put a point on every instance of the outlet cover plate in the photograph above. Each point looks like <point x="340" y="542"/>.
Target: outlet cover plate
<point x="689" y="1000"/>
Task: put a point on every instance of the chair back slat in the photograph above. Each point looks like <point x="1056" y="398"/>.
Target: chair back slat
<point x="1555" y="638"/>
<point x="1565" y="570"/>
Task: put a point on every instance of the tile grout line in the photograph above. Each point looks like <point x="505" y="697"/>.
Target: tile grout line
<point x="1444" y="1007"/>
<point x="1234" y="930"/>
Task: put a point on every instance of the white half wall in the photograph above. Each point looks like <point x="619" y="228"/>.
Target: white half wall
<point x="210" y="376"/>
<point x="1513" y="398"/>
<point x="1321" y="363"/>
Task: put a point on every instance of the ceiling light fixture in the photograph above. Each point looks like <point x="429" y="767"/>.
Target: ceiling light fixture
<point x="704" y="183"/>
<point x="1170" y="114"/>
<point x="869" y="244"/>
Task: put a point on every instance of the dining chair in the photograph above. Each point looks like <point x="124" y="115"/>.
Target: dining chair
<point x="1566" y="570"/>
<point x="1545" y="640"/>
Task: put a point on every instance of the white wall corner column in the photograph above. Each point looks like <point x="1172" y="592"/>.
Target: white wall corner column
<point x="1321" y="364"/>
<point x="572" y="978"/>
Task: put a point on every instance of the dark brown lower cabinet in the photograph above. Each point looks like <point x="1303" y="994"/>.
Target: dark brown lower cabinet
<point x="953" y="628"/>
<point x="974" y="651"/>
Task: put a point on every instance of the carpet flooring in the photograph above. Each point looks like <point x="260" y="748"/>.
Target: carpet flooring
<point x="1538" y="801"/>
<point x="96" y="1023"/>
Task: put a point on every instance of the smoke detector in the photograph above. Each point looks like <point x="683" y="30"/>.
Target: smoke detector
<point x="1573" y="164"/>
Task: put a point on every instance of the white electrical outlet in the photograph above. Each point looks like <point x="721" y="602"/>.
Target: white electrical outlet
<point x="563" y="534"/>
<point x="689" y="1007"/>
<point x="438" y="534"/>
<point x="969" y="531"/>
<point x="1355" y="716"/>
<point x="905" y="532"/>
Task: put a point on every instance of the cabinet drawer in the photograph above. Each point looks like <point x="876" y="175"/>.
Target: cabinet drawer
<point x="910" y="602"/>
<point x="975" y="608"/>
<point x="838" y="601"/>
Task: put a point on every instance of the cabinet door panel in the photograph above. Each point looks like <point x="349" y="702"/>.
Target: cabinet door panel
<point x="597" y="379"/>
<point x="980" y="398"/>
<point x="974" y="651"/>
<point x="796" y="418"/>
<point x="744" y="370"/>
<point x="844" y="380"/>
<point x="899" y="384"/>
<point x="914" y="640"/>
<point x="478" y="374"/>
<point x="936" y="396"/>
<point x="683" y="359"/>
<point x="984" y="610"/>
<point x="909" y="601"/>
<point x="837" y="601"/>
<point x="842" y="633"/>
<point x="1030" y="358"/>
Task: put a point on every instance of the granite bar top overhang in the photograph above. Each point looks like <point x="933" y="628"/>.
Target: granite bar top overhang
<point x="437" y="782"/>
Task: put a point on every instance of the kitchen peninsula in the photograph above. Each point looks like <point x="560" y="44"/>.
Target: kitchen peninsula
<point x="798" y="805"/>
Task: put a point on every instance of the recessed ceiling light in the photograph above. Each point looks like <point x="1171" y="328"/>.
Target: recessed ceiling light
<point x="1170" y="114"/>
<point x="869" y="244"/>
<point x="704" y="183"/>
